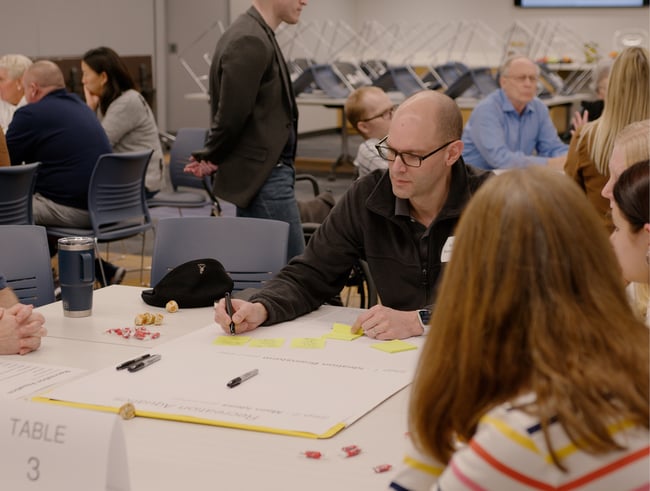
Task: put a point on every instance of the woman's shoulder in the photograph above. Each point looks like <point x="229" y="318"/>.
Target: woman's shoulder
<point x="129" y="99"/>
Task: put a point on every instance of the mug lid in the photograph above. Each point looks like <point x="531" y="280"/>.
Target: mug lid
<point x="76" y="243"/>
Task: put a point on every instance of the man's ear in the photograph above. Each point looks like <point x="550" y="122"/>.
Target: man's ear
<point x="454" y="151"/>
<point x="362" y="127"/>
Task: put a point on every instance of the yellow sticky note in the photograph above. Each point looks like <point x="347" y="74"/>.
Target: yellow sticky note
<point x="342" y="332"/>
<point x="308" y="343"/>
<point x="232" y="340"/>
<point x="394" y="346"/>
<point x="266" y="343"/>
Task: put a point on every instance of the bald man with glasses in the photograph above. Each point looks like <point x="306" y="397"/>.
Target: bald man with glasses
<point x="511" y="127"/>
<point x="401" y="221"/>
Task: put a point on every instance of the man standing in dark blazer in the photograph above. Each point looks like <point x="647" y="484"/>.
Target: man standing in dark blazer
<point x="252" y="141"/>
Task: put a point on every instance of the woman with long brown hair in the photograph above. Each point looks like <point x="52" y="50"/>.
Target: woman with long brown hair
<point x="536" y="370"/>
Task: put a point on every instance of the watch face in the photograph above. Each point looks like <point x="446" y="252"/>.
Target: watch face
<point x="425" y="316"/>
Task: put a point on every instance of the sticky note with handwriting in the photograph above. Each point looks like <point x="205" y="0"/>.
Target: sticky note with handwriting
<point x="308" y="343"/>
<point x="394" y="346"/>
<point x="343" y="332"/>
<point x="266" y="343"/>
<point x="232" y="340"/>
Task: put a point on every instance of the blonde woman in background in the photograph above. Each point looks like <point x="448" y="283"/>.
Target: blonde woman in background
<point x="627" y="100"/>
<point x="535" y="372"/>
<point x="630" y="146"/>
<point x="12" y="92"/>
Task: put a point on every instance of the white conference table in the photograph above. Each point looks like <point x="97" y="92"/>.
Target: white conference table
<point x="168" y="455"/>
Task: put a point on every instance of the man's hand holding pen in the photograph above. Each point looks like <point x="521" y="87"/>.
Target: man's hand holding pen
<point x="200" y="168"/>
<point x="246" y="315"/>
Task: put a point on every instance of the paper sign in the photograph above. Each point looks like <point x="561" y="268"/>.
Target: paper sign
<point x="394" y="346"/>
<point x="19" y="379"/>
<point x="308" y="343"/>
<point x="232" y="340"/>
<point x="45" y="447"/>
<point x="343" y="332"/>
<point x="267" y="343"/>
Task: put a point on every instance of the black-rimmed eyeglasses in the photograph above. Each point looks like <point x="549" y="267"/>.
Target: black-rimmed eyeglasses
<point x="385" y="114"/>
<point x="409" y="159"/>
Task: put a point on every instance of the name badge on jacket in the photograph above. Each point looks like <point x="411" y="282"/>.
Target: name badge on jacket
<point x="445" y="255"/>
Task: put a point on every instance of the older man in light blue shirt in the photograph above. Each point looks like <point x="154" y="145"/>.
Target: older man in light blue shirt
<point x="511" y="127"/>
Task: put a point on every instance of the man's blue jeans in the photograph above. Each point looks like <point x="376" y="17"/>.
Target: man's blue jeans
<point x="277" y="200"/>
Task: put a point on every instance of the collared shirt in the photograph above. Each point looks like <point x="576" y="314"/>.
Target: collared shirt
<point x="367" y="159"/>
<point x="498" y="137"/>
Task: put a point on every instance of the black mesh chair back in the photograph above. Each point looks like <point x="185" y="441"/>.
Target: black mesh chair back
<point x="116" y="202"/>
<point x="186" y="141"/>
<point x="16" y="191"/>
<point x="252" y="250"/>
<point x="25" y="263"/>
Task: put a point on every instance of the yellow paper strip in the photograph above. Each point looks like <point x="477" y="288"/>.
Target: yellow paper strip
<point x="267" y="343"/>
<point x="394" y="346"/>
<point x="190" y="419"/>
<point x="232" y="340"/>
<point x="308" y="343"/>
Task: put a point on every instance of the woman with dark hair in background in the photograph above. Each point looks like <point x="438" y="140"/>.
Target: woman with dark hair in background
<point x="535" y="371"/>
<point x="123" y="111"/>
<point x="631" y="235"/>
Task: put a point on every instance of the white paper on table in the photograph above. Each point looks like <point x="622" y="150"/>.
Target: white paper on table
<point x="45" y="447"/>
<point x="19" y="379"/>
<point x="312" y="393"/>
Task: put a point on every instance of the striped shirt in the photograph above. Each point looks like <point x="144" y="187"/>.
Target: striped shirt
<point x="508" y="452"/>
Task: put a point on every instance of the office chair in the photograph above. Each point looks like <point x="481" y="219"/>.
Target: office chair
<point x="406" y="80"/>
<point x="312" y="214"/>
<point x="16" y="191"/>
<point x="252" y="250"/>
<point x="474" y="82"/>
<point x="183" y="144"/>
<point x="327" y="78"/>
<point x="442" y="76"/>
<point x="116" y="202"/>
<point x="25" y="262"/>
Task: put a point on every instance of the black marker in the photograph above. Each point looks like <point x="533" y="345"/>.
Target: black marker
<point x="242" y="378"/>
<point x="127" y="364"/>
<point x="230" y="312"/>
<point x="144" y="363"/>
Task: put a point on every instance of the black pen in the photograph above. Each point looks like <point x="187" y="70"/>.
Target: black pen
<point x="144" y="363"/>
<point x="242" y="378"/>
<point x="127" y="364"/>
<point x="229" y="310"/>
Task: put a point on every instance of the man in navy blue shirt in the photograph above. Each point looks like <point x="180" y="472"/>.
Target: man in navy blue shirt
<point x="59" y="130"/>
<point x="511" y="127"/>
